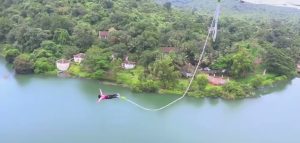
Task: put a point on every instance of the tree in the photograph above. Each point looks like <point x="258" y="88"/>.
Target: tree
<point x="233" y="90"/>
<point x="5" y="26"/>
<point x="84" y="36"/>
<point x="279" y="63"/>
<point x="78" y="11"/>
<point x="62" y="22"/>
<point x="61" y="36"/>
<point x="28" y="38"/>
<point x="223" y="62"/>
<point x="23" y="64"/>
<point x="168" y="6"/>
<point x="55" y="49"/>
<point x="11" y="54"/>
<point x="42" y="53"/>
<point x="242" y="63"/>
<point x="148" y="58"/>
<point x="43" y="65"/>
<point x="96" y="61"/>
<point x="108" y="4"/>
<point x="146" y="83"/>
<point x="202" y="82"/>
<point x="69" y="51"/>
<point x="164" y="71"/>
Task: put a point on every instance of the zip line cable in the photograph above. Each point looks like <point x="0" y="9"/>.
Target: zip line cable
<point x="213" y="24"/>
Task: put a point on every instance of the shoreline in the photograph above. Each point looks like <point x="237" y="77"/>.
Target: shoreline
<point x="251" y="94"/>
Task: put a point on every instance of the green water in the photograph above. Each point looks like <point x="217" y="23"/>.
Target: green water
<point x="37" y="109"/>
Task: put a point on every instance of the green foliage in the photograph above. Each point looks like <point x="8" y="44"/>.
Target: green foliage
<point x="279" y="63"/>
<point x="96" y="62"/>
<point x="239" y="63"/>
<point x="242" y="63"/>
<point x="233" y="90"/>
<point x="201" y="81"/>
<point x="28" y="38"/>
<point x="50" y="46"/>
<point x="61" y="36"/>
<point x="42" y="53"/>
<point x="129" y="77"/>
<point x="164" y="71"/>
<point x="10" y="53"/>
<point x="168" y="5"/>
<point x="147" y="85"/>
<point x="214" y="91"/>
<point x="257" y="81"/>
<point x="43" y="65"/>
<point x="107" y="4"/>
<point x="69" y="51"/>
<point x="223" y="62"/>
<point x="83" y="36"/>
<point x="76" y="70"/>
<point x="5" y="26"/>
<point x="148" y="58"/>
<point x="265" y="80"/>
<point x="23" y="64"/>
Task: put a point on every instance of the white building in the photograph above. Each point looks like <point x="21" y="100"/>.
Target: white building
<point x="128" y="64"/>
<point x="62" y="64"/>
<point x="79" y="57"/>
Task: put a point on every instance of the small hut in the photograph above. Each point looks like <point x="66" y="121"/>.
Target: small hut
<point x="79" y="57"/>
<point x="103" y="34"/>
<point x="63" y="65"/>
<point x="128" y="64"/>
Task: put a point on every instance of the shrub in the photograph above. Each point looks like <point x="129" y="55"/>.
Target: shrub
<point x="23" y="64"/>
<point x="43" y="65"/>
<point x="233" y="90"/>
<point x="11" y="54"/>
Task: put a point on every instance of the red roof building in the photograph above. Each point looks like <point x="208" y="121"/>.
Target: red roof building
<point x="103" y="34"/>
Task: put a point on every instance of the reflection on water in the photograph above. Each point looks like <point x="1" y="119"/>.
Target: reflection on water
<point x="276" y="87"/>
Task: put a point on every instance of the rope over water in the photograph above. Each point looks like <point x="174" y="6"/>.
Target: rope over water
<point x="214" y="24"/>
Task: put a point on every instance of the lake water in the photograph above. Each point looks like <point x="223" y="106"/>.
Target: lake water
<point x="38" y="109"/>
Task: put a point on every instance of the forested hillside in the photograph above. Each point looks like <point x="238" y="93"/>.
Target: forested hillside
<point x="164" y="42"/>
